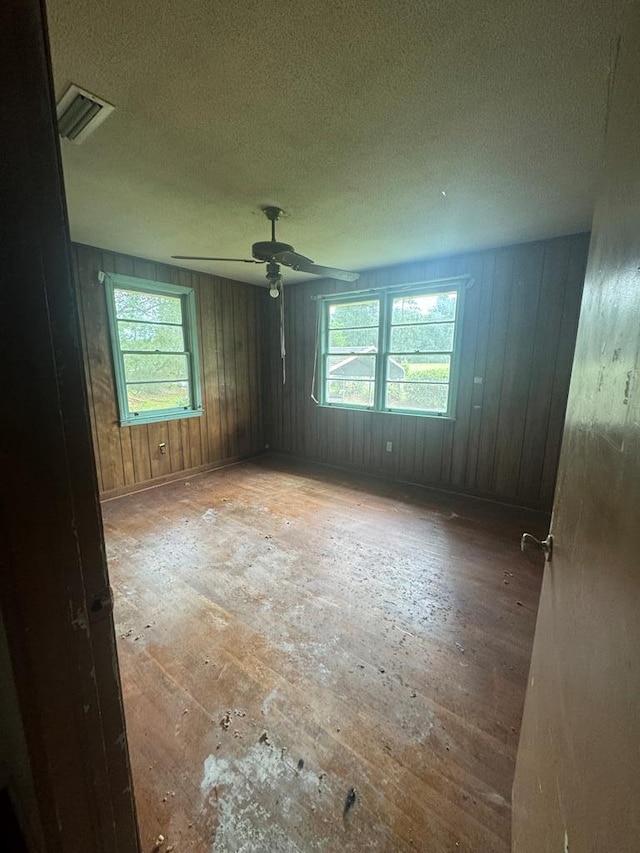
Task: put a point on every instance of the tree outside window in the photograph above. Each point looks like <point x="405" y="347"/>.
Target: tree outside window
<point x="393" y="352"/>
<point x="154" y="346"/>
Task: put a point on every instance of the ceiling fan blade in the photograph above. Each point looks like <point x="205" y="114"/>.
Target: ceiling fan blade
<point x="200" y="258"/>
<point x="332" y="272"/>
<point x="292" y="259"/>
<point x="302" y="264"/>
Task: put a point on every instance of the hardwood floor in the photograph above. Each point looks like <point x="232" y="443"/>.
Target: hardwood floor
<point x="289" y="633"/>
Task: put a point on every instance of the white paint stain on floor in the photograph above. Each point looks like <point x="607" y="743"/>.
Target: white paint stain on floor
<point x="245" y="825"/>
<point x="269" y="699"/>
<point x="312" y="655"/>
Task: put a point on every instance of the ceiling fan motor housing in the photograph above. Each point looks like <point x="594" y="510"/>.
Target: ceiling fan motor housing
<point x="268" y="249"/>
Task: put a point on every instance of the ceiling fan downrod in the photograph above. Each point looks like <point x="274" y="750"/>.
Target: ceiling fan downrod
<point x="273" y="214"/>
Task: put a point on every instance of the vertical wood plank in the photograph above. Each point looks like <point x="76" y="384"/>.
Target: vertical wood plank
<point x="406" y="447"/>
<point x="159" y="446"/>
<point x="216" y="369"/>
<point x="176" y="450"/>
<point x="252" y="369"/>
<point x="241" y="370"/>
<point x="546" y="342"/>
<point x="516" y="376"/>
<point x="209" y="374"/>
<point x="485" y="288"/>
<point x="432" y="451"/>
<point x="186" y="444"/>
<point x="498" y="322"/>
<point x="228" y="343"/>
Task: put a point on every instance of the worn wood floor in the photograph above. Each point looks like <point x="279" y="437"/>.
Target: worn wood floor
<point x="289" y="635"/>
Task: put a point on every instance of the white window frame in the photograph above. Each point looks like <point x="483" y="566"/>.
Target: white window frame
<point x="385" y="297"/>
<point x="113" y="282"/>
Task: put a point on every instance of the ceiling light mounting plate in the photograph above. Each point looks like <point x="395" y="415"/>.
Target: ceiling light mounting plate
<point x="272" y="212"/>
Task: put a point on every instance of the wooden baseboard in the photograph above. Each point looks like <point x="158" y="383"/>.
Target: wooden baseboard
<point x="377" y="474"/>
<point x="237" y="460"/>
<point x="176" y="475"/>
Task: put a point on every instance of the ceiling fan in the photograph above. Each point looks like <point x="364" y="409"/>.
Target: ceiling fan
<point x="273" y="254"/>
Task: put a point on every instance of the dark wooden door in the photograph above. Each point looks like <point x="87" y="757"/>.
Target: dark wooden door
<point x="53" y="578"/>
<point x="577" y="784"/>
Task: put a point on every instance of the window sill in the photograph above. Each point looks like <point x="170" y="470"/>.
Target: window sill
<point x="373" y="411"/>
<point x="160" y="417"/>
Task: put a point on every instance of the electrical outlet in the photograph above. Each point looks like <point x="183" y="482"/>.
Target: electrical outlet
<point x="389" y="446"/>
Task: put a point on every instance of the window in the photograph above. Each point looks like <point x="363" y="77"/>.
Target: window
<point x="394" y="351"/>
<point x="154" y="347"/>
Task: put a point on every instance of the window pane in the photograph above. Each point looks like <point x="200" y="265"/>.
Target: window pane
<point x="351" y="367"/>
<point x="350" y="392"/>
<point x="150" y="367"/>
<point x="353" y="340"/>
<point x="146" y="336"/>
<point x="350" y="314"/>
<point x="419" y="368"/>
<point x="437" y="336"/>
<point x="161" y="395"/>
<point x="152" y="307"/>
<point x="417" y="396"/>
<point x="418" y="309"/>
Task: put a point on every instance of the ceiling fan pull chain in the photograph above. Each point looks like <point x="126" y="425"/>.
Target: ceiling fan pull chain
<point x="315" y="357"/>
<point x="283" y="350"/>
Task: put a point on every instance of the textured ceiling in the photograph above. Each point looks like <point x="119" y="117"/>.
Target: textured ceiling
<point x="388" y="130"/>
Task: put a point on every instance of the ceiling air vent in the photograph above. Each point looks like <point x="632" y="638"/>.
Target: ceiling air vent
<point x="79" y="113"/>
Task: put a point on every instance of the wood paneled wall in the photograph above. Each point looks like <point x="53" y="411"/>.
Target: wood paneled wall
<point x="520" y="322"/>
<point x="229" y="332"/>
